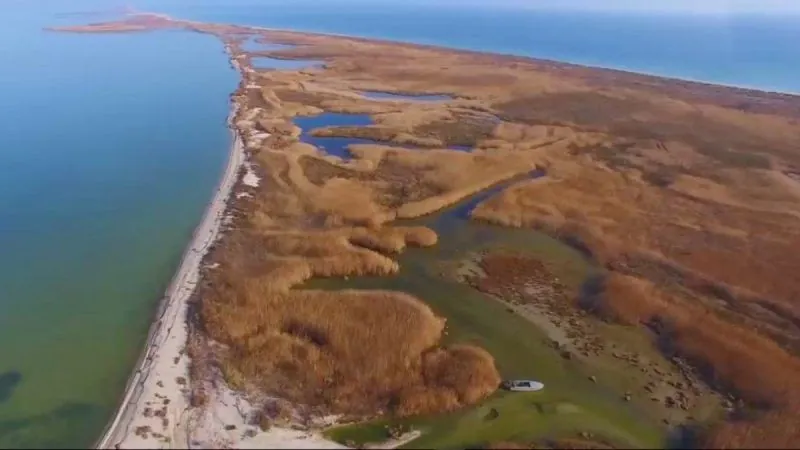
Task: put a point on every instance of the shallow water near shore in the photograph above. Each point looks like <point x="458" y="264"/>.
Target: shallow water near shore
<point x="110" y="148"/>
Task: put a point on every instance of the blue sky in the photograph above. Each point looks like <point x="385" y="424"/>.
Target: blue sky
<point x="653" y="6"/>
<point x="700" y="6"/>
<point x="690" y="6"/>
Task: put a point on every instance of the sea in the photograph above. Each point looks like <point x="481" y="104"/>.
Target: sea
<point x="111" y="146"/>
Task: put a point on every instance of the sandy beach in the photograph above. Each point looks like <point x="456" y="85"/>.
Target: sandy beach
<point x="155" y="411"/>
<point x="156" y="398"/>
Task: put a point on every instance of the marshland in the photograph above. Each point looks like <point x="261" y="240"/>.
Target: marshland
<point x="626" y="239"/>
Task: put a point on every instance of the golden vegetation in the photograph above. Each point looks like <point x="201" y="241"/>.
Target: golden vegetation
<point x="352" y="351"/>
<point x="687" y="193"/>
<point x="700" y="244"/>
<point x="356" y="352"/>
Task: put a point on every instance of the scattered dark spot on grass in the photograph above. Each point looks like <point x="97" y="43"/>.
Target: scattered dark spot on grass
<point x="8" y="383"/>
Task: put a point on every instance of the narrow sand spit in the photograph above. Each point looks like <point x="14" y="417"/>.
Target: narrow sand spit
<point x="156" y="398"/>
<point x="155" y="411"/>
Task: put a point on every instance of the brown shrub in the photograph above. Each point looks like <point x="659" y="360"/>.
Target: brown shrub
<point x="756" y="368"/>
<point x="628" y="300"/>
<point x="708" y="255"/>
<point x="351" y="351"/>
<point x="419" y="399"/>
<point x="779" y="429"/>
<point x="393" y="239"/>
<point x="727" y="355"/>
<point x="466" y="370"/>
<point x="465" y="131"/>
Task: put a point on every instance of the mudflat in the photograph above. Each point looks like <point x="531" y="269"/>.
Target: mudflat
<point x="646" y="273"/>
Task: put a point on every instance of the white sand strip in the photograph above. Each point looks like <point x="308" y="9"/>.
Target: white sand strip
<point x="227" y="422"/>
<point x="156" y="397"/>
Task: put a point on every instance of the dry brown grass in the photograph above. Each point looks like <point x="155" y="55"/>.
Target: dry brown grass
<point x="351" y="351"/>
<point x="773" y="430"/>
<point x="756" y="368"/>
<point x="693" y="220"/>
<point x="456" y="376"/>
<point x="688" y="192"/>
<point x="393" y="240"/>
<point x="357" y="352"/>
<point x="626" y="299"/>
<point x="717" y="252"/>
<point x="742" y="247"/>
<point x="729" y="356"/>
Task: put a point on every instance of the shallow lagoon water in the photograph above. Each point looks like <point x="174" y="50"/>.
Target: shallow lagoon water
<point x="265" y="62"/>
<point x="336" y="146"/>
<point x="519" y="348"/>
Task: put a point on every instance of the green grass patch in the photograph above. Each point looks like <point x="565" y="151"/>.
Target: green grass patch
<point x="522" y="417"/>
<point x="569" y="404"/>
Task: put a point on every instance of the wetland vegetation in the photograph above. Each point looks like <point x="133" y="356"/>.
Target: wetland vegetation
<point x="646" y="279"/>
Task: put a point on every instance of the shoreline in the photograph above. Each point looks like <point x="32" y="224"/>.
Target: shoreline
<point x="519" y="57"/>
<point x="164" y="352"/>
<point x="538" y="59"/>
<point x="156" y="411"/>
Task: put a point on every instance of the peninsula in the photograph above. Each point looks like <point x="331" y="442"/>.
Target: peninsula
<point x="401" y="227"/>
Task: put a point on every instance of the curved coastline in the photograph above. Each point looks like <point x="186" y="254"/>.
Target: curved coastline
<point x="164" y="352"/>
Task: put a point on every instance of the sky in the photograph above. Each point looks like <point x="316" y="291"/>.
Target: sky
<point x="773" y="7"/>
<point x="682" y="6"/>
<point x="692" y="6"/>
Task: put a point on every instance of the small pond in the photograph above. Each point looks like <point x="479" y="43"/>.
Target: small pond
<point x="265" y="62"/>
<point x="336" y="146"/>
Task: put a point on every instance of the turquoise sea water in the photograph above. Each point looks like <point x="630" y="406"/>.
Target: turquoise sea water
<point x="111" y="145"/>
